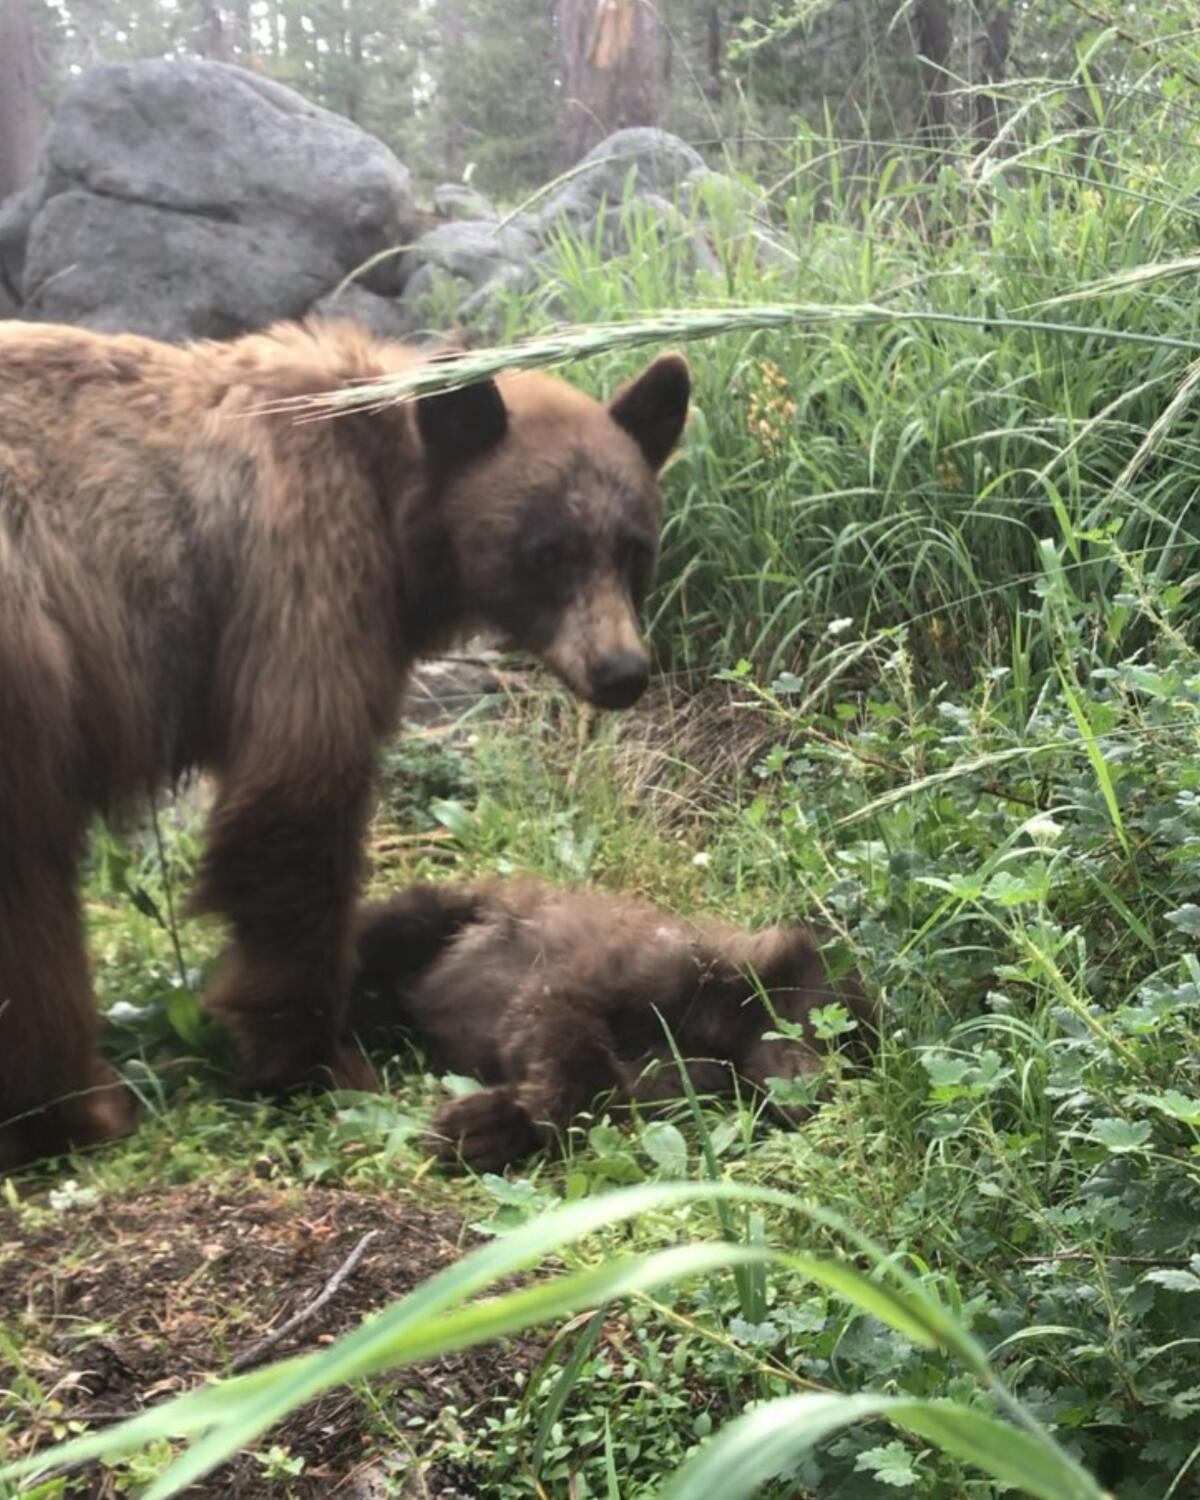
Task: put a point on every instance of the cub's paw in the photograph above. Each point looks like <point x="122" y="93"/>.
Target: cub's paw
<point x="486" y="1131"/>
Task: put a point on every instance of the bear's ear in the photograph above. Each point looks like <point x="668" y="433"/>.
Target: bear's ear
<point x="653" y="407"/>
<point x="460" y="425"/>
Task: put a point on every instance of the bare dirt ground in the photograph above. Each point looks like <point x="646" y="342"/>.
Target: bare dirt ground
<point x="125" y="1303"/>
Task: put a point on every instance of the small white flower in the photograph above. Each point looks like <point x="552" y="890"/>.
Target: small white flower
<point x="702" y="860"/>
<point x="1043" y="830"/>
<point x="839" y="627"/>
<point x="71" y="1195"/>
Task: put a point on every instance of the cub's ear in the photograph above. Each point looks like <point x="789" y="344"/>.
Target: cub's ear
<point x="457" y="426"/>
<point x="653" y="407"/>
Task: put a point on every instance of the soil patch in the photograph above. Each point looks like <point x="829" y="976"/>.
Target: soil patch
<point x="120" y="1305"/>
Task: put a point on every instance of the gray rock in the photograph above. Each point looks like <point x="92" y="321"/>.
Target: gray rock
<point x="169" y="275"/>
<point x="473" y="249"/>
<point x="460" y="267"/>
<point x="382" y="316"/>
<point x="16" y="216"/>
<point x="481" y="310"/>
<point x="454" y="200"/>
<point x="660" y="163"/>
<point x="617" y="228"/>
<point x="433" y="296"/>
<point x="9" y="307"/>
<point x="708" y="192"/>
<point x="739" y="212"/>
<point x="231" y="178"/>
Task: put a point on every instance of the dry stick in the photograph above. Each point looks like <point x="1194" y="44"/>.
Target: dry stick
<point x="251" y="1356"/>
<point x="1094" y="1255"/>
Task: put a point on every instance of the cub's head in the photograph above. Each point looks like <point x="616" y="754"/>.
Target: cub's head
<point x="551" y="505"/>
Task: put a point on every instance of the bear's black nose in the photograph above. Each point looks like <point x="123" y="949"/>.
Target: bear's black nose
<point x="620" y="679"/>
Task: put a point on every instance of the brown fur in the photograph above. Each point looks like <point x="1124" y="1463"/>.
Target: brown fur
<point x="550" y="996"/>
<point x="188" y="582"/>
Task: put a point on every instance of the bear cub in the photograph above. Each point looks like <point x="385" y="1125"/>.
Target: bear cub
<point x="553" y="997"/>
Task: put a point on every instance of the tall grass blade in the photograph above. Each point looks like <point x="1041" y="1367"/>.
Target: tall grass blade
<point x="767" y="1441"/>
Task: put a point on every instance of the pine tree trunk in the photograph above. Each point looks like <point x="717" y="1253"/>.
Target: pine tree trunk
<point x="452" y="35"/>
<point x="21" y="119"/>
<point x="716" y="53"/>
<point x="611" y="68"/>
<point x="934" y="38"/>
<point x="997" y="42"/>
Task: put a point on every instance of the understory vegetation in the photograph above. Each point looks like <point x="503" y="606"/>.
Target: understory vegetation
<point x="928" y="675"/>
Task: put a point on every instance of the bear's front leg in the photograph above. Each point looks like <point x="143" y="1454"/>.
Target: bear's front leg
<point x="283" y="864"/>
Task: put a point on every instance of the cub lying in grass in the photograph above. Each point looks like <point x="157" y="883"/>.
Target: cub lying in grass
<point x="553" y="997"/>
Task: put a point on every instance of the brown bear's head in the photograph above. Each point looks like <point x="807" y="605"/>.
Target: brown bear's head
<point x="551" y="510"/>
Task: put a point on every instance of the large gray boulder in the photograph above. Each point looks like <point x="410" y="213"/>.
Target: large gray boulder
<point x="383" y="316"/>
<point x="658" y="162"/>
<point x="470" y="264"/>
<point x="617" y="229"/>
<point x="183" y="198"/>
<point x="473" y="249"/>
<point x="455" y="200"/>
<point x="460" y="265"/>
<point x="16" y="216"/>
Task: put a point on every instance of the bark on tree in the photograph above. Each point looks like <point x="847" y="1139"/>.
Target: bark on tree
<point x="21" y="119"/>
<point x="716" y="53"/>
<point x="453" y="34"/>
<point x="611" y="68"/>
<point x="211" y="39"/>
<point x="934" y="38"/>
<point x="997" y="42"/>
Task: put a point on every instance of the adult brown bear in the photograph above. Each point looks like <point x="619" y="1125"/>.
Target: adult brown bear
<point x="188" y="580"/>
<point x="554" y="997"/>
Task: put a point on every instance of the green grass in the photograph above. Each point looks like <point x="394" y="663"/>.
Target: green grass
<point x="1029" y="1143"/>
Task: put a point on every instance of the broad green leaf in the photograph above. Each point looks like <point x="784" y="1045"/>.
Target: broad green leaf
<point x="666" y="1147"/>
<point x="1171" y="1102"/>
<point x="892" y="1464"/>
<point x="1186" y="918"/>
<point x="1122" y="1135"/>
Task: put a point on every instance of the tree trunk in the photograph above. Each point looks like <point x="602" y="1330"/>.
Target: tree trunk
<point x="211" y="40"/>
<point x="353" y="53"/>
<point x="934" y="39"/>
<point x="21" y="119"/>
<point x="997" y="41"/>
<point x="716" y="53"/>
<point x="611" y="68"/>
<point x="453" y="40"/>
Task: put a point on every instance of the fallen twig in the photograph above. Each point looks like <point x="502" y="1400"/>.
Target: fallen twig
<point x="251" y="1356"/>
<point x="1094" y="1255"/>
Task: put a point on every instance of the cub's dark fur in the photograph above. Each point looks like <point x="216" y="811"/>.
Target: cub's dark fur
<point x="550" y="996"/>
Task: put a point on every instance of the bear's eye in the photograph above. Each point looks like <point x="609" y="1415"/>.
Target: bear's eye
<point x="635" y="558"/>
